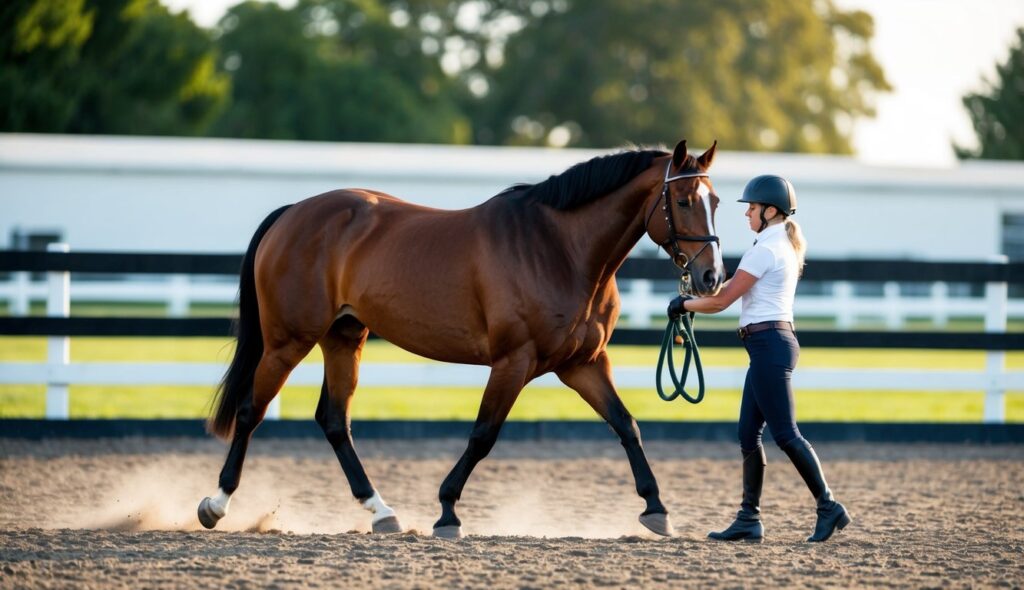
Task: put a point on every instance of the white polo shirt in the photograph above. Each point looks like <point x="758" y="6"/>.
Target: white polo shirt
<point x="773" y="262"/>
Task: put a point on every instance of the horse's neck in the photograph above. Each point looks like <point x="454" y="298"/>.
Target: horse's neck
<point x="604" y="231"/>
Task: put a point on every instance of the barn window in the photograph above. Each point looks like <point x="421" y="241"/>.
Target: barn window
<point x="1013" y="235"/>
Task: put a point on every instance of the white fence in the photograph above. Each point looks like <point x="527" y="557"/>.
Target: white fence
<point x="58" y="372"/>
<point x="641" y="305"/>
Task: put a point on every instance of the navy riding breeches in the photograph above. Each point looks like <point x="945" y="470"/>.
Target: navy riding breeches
<point x="768" y="389"/>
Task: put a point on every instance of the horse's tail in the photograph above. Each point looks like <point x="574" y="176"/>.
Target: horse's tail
<point x="238" y="379"/>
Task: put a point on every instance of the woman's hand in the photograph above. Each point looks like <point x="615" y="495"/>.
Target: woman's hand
<point x="677" y="306"/>
<point x="733" y="289"/>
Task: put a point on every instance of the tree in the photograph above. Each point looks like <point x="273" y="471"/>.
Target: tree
<point x="105" y="66"/>
<point x="788" y="75"/>
<point x="998" y="112"/>
<point x="333" y="70"/>
<point x="40" y="45"/>
<point x="759" y="75"/>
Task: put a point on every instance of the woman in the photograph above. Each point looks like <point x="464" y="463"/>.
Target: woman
<point x="766" y="280"/>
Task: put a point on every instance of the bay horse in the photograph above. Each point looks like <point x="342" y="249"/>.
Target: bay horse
<point x="523" y="283"/>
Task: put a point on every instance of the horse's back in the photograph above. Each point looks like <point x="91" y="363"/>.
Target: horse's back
<point x="388" y="263"/>
<point x="462" y="286"/>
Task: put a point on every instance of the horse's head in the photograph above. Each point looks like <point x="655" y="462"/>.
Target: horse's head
<point x="681" y="219"/>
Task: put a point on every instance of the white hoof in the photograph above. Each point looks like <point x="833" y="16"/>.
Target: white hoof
<point x="207" y="517"/>
<point x="384" y="519"/>
<point x="658" y="523"/>
<point x="213" y="509"/>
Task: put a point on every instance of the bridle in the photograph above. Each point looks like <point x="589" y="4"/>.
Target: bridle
<point x="674" y="237"/>
<point x="680" y="328"/>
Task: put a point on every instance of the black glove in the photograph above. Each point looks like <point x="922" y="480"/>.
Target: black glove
<point x="675" y="307"/>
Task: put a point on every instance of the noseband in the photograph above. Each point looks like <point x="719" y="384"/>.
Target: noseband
<point x="673" y="237"/>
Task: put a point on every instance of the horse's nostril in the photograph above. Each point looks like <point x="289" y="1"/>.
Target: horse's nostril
<point x="710" y="279"/>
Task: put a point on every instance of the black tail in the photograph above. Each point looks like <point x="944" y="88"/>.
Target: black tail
<point x="238" y="380"/>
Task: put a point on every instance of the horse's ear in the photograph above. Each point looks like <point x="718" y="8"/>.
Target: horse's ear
<point x="679" y="154"/>
<point x="707" y="157"/>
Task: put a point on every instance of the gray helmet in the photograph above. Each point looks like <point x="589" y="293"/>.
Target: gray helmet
<point x="769" y="189"/>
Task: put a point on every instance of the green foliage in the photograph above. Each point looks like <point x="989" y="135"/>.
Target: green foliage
<point x="333" y="70"/>
<point x="787" y="75"/>
<point x="149" y="72"/>
<point x="106" y="66"/>
<point x="40" y="45"/>
<point x="755" y="75"/>
<point x="998" y="112"/>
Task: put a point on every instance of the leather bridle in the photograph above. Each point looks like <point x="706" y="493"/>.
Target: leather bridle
<point x="673" y="237"/>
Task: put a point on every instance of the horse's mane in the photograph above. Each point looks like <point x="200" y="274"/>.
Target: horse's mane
<point x="586" y="181"/>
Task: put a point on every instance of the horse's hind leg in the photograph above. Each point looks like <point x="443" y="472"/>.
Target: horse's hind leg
<point x="594" y="384"/>
<point x="342" y="347"/>
<point x="273" y="369"/>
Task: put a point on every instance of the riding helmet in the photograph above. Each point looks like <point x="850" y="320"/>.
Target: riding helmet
<point x="769" y="189"/>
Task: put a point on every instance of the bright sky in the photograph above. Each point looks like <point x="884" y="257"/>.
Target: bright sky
<point x="933" y="52"/>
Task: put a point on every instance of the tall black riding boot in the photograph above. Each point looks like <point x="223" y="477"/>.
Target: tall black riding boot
<point x="831" y="514"/>
<point x="747" y="526"/>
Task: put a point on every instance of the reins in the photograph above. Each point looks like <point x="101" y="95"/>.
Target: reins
<point x="680" y="329"/>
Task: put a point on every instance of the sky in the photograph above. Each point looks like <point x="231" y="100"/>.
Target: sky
<point x="933" y="52"/>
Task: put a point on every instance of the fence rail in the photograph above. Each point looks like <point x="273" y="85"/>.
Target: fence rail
<point x="58" y="372"/>
<point x="639" y="277"/>
<point x="633" y="268"/>
<point x="712" y="338"/>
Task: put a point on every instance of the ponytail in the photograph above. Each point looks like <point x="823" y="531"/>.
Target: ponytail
<point x="796" y="238"/>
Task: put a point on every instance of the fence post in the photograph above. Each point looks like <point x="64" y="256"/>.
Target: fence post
<point x="845" y="314"/>
<point x="178" y="296"/>
<point x="996" y="295"/>
<point x="940" y="304"/>
<point x="636" y="303"/>
<point x="20" y="296"/>
<point x="58" y="348"/>
<point x="894" y="317"/>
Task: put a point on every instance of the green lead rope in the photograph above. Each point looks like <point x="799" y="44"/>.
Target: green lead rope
<point x="682" y="328"/>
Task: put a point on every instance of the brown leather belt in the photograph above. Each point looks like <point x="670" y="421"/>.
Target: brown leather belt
<point x="761" y="327"/>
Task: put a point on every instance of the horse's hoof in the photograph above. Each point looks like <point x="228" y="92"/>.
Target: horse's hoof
<point x="387" y="525"/>
<point x="207" y="516"/>
<point x="448" y="532"/>
<point x="658" y="523"/>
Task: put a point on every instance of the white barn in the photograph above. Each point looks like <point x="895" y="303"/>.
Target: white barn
<point x="140" y="194"/>
<point x="208" y="195"/>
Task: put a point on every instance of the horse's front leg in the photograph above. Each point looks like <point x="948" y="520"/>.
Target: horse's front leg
<point x="508" y="377"/>
<point x="593" y="382"/>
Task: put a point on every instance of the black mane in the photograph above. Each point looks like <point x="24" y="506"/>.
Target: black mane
<point x="586" y="181"/>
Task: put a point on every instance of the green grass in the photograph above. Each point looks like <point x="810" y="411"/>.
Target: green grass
<point x="536" y="403"/>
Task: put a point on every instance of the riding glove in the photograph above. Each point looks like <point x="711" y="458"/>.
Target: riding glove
<point x="675" y="307"/>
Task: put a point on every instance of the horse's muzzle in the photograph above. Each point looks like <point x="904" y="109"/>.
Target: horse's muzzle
<point x="707" y="281"/>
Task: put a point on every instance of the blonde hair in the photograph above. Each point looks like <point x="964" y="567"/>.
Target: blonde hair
<point x="796" y="238"/>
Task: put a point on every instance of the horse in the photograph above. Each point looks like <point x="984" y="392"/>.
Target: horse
<point x="523" y="283"/>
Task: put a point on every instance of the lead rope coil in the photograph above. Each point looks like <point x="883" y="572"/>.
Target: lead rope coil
<point x="681" y="329"/>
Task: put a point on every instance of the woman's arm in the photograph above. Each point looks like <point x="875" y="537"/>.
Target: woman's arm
<point x="734" y="288"/>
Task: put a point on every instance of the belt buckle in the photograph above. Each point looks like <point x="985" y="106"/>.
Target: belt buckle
<point x="742" y="333"/>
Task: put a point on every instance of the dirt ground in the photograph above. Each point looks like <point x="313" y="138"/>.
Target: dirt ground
<point x="121" y="513"/>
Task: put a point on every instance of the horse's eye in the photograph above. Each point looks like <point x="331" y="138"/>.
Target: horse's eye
<point x="683" y="203"/>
